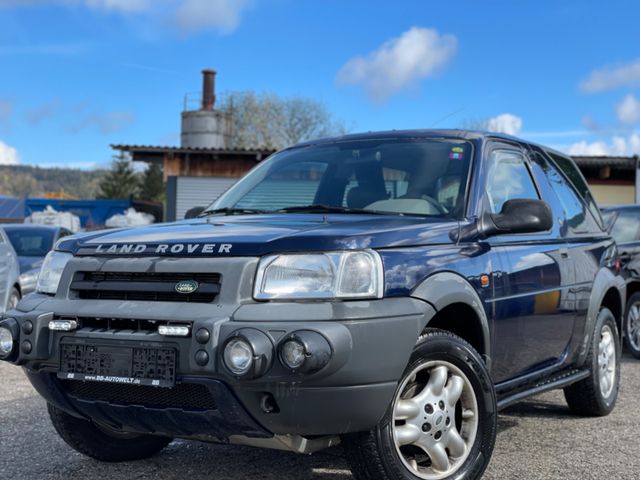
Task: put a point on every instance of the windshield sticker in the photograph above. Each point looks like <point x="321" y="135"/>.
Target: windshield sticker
<point x="457" y="153"/>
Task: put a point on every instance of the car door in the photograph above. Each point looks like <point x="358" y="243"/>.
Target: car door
<point x="533" y="314"/>
<point x="583" y="229"/>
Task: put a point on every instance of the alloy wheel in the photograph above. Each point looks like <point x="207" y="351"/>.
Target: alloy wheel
<point x="435" y="420"/>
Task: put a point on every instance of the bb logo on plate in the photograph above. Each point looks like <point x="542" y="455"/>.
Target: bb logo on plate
<point x="187" y="286"/>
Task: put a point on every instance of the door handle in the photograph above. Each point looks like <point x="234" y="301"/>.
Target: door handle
<point x="564" y="253"/>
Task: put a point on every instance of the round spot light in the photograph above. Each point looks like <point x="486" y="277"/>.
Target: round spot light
<point x="6" y="342"/>
<point x="305" y="351"/>
<point x="293" y="354"/>
<point x="238" y="356"/>
<point x="248" y="353"/>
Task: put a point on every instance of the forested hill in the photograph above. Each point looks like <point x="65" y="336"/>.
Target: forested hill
<point x="21" y="180"/>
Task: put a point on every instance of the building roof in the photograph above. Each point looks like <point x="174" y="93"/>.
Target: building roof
<point x="619" y="163"/>
<point x="155" y="150"/>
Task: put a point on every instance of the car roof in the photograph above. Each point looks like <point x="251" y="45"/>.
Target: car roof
<point x="462" y="134"/>
<point x="416" y="133"/>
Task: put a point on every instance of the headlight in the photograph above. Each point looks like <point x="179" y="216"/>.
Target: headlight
<point x="356" y="274"/>
<point x="51" y="272"/>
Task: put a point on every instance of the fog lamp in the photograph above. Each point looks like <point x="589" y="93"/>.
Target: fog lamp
<point x="248" y="353"/>
<point x="293" y="353"/>
<point x="238" y="356"/>
<point x="305" y="351"/>
<point x="6" y="342"/>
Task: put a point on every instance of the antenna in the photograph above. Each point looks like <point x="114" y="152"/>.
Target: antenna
<point x="455" y="112"/>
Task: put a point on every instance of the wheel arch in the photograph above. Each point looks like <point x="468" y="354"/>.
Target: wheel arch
<point x="608" y="291"/>
<point x="458" y="309"/>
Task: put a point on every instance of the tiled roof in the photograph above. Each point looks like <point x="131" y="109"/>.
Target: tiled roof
<point x="171" y="149"/>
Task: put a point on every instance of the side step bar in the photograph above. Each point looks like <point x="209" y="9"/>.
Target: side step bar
<point x="552" y="383"/>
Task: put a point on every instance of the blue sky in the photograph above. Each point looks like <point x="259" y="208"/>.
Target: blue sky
<point x="78" y="75"/>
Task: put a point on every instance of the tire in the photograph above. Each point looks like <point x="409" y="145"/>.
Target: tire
<point x="631" y="325"/>
<point x="417" y="413"/>
<point x="14" y="298"/>
<point x="97" y="442"/>
<point x="596" y="395"/>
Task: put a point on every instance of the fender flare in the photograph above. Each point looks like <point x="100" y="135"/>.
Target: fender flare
<point x="604" y="281"/>
<point x="446" y="288"/>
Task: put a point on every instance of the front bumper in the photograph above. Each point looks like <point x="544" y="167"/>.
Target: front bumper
<point x="371" y="343"/>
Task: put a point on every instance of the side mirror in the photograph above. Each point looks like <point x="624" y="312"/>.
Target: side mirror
<point x="519" y="215"/>
<point x="194" y="212"/>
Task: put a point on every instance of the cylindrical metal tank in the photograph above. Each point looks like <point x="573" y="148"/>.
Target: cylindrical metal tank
<point x="204" y="129"/>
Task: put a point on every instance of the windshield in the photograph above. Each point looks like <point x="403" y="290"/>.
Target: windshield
<point x="391" y="176"/>
<point x="29" y="242"/>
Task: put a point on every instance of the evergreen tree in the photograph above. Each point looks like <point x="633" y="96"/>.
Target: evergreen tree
<point x="152" y="183"/>
<point x="121" y="181"/>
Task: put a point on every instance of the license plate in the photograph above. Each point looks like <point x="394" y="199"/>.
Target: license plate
<point x="117" y="364"/>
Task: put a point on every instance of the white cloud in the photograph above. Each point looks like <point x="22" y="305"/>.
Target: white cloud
<point x="628" y="110"/>
<point x="399" y="63"/>
<point x="221" y="15"/>
<point x="618" y="146"/>
<point x="505" y="123"/>
<point x="8" y="154"/>
<point x="595" y="149"/>
<point x="609" y="78"/>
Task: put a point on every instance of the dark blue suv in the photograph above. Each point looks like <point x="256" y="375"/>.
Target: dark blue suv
<point x="387" y="291"/>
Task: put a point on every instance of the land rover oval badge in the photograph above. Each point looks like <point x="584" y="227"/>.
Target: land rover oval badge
<point x="186" y="286"/>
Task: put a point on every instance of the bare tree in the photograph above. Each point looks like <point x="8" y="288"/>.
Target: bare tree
<point x="481" y="124"/>
<point x="265" y="120"/>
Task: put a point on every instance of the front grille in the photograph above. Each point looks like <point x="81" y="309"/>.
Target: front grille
<point x="104" y="323"/>
<point x="185" y="396"/>
<point x="145" y="286"/>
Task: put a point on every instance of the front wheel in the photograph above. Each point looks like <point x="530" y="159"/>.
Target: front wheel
<point x="441" y="423"/>
<point x="632" y="325"/>
<point x="103" y="443"/>
<point x="596" y="395"/>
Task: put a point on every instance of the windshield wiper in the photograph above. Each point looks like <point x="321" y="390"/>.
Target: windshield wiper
<point x="232" y="211"/>
<point x="320" y="208"/>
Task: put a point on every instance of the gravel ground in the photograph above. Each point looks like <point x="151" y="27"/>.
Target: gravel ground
<point x="538" y="439"/>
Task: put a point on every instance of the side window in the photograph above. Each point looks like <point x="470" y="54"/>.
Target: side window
<point x="508" y="178"/>
<point x="578" y="182"/>
<point x="625" y="229"/>
<point x="577" y="218"/>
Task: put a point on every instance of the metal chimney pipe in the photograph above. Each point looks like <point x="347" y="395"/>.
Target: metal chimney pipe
<point x="208" y="89"/>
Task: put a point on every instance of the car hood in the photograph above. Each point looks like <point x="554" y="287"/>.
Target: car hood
<point x="249" y="235"/>
<point x="30" y="263"/>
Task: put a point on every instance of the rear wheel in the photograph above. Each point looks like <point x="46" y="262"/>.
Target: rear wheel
<point x="596" y="395"/>
<point x="441" y="423"/>
<point x="14" y="299"/>
<point x="631" y="325"/>
<point x="101" y="442"/>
